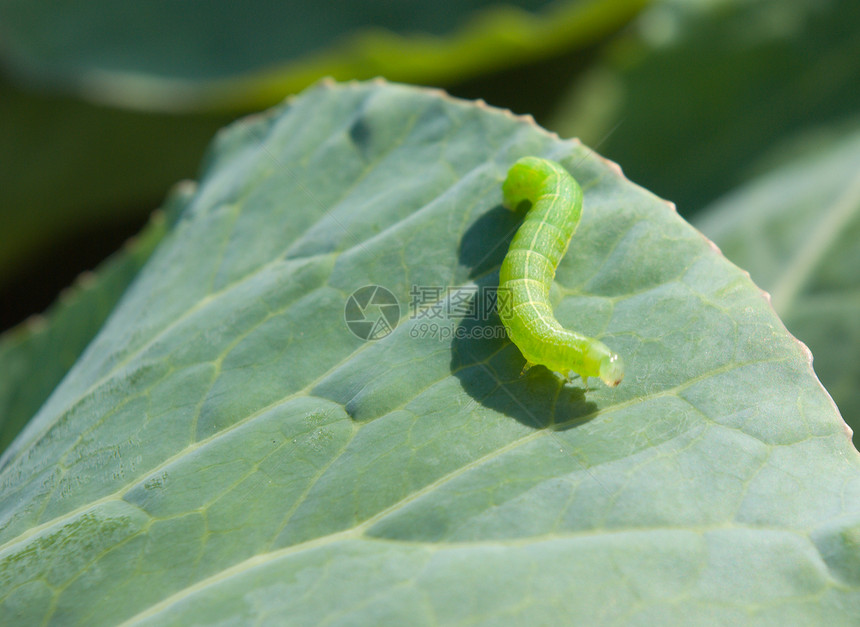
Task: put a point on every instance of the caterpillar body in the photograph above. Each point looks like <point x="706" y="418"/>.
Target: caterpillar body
<point x="529" y="267"/>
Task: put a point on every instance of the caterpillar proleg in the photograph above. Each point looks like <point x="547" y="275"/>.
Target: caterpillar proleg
<point x="529" y="268"/>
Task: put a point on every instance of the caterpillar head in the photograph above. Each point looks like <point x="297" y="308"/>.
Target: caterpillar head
<point x="524" y="180"/>
<point x="611" y="370"/>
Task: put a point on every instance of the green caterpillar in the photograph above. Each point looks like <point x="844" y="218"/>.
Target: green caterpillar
<point x="529" y="268"/>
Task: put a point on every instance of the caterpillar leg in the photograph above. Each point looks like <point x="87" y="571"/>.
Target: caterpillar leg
<point x="527" y="366"/>
<point x="571" y="375"/>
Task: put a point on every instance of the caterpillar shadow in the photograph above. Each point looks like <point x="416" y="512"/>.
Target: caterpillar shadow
<point x="487" y="364"/>
<point x="486" y="242"/>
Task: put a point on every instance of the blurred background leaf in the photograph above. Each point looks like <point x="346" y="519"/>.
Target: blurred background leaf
<point x="699" y="91"/>
<point x="166" y="54"/>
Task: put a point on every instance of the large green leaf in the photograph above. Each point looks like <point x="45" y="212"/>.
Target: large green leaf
<point x="797" y="231"/>
<point x="226" y="451"/>
<point x="171" y="54"/>
<point x="690" y="100"/>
